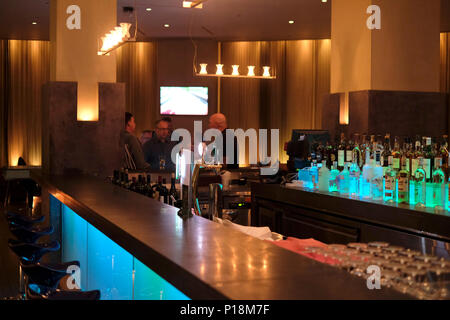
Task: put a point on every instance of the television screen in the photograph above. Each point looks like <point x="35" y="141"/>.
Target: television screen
<point x="184" y="101"/>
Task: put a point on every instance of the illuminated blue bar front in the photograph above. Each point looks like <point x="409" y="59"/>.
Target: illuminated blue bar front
<point x="107" y="267"/>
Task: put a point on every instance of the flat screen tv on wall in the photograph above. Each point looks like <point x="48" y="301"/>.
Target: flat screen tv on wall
<point x="184" y="101"/>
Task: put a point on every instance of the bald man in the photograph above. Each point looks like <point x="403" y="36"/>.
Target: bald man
<point x="219" y="121"/>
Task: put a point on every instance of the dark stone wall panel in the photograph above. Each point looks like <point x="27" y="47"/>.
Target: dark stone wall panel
<point x="76" y="146"/>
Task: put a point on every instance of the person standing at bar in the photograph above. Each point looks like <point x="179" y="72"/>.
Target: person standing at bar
<point x="127" y="138"/>
<point x="219" y="121"/>
<point x="158" y="150"/>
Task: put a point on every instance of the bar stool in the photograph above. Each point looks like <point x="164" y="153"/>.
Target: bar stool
<point x="46" y="274"/>
<point x="37" y="292"/>
<point x="20" y="219"/>
<point x="29" y="234"/>
<point x="32" y="252"/>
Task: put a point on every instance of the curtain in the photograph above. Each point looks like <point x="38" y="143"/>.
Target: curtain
<point x="136" y="67"/>
<point x="28" y="70"/>
<point x="292" y="101"/>
<point x="3" y="103"/>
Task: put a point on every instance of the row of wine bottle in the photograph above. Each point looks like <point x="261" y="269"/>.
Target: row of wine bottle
<point x="434" y="153"/>
<point x="144" y="186"/>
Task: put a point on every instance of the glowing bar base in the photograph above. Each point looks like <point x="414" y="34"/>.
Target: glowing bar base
<point x="107" y="267"/>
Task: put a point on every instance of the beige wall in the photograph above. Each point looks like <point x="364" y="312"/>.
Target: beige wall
<point x="74" y="52"/>
<point x="350" y="46"/>
<point x="403" y="55"/>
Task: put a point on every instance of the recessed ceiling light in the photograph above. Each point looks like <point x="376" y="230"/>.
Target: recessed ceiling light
<point x="149" y="9"/>
<point x="34" y="22"/>
<point x="324" y="0"/>
<point x="166" y="25"/>
<point x="291" y="21"/>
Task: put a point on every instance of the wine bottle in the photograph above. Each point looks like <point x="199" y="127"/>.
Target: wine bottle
<point x="173" y="190"/>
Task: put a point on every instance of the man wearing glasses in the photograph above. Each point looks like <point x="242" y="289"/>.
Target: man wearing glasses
<point x="158" y="150"/>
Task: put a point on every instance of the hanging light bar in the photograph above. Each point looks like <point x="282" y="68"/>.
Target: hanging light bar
<point x="115" y="38"/>
<point x="266" y="73"/>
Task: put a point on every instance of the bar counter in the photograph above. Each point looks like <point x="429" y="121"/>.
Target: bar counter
<point x="202" y="259"/>
<point x="334" y="218"/>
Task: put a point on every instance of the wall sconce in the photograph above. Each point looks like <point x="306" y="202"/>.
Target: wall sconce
<point x="203" y="68"/>
<point x="235" y="70"/>
<point x="219" y="69"/>
<point x="251" y="71"/>
<point x="266" y="72"/>
<point x="344" y="109"/>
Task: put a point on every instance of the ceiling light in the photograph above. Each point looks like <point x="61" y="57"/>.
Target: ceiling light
<point x="198" y="4"/>
<point x="34" y="22"/>
<point x="324" y="0"/>
<point x="291" y="21"/>
<point x="148" y="9"/>
<point x="115" y="38"/>
<point x="166" y="25"/>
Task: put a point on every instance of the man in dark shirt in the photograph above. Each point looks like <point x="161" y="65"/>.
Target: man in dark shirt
<point x="158" y="150"/>
<point x="128" y="138"/>
<point x="219" y="121"/>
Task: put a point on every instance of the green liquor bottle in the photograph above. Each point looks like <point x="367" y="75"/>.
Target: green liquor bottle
<point x="438" y="187"/>
<point x="390" y="179"/>
<point x="403" y="185"/>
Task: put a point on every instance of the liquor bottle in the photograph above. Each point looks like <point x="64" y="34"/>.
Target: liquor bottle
<point x="132" y="186"/>
<point x="164" y="193"/>
<point x="148" y="187"/>
<point x="444" y="154"/>
<point x="409" y="155"/>
<point x="343" y="180"/>
<point x="389" y="183"/>
<point x="333" y="185"/>
<point x="405" y="155"/>
<point x="367" y="174"/>
<point x="428" y="158"/>
<point x="387" y="152"/>
<point x="438" y="188"/>
<point x="376" y="182"/>
<point x="356" y="153"/>
<point x="341" y="152"/>
<point x="349" y="151"/>
<point x="379" y="150"/>
<point x="320" y="153"/>
<point x="417" y="154"/>
<point x="330" y="155"/>
<point x="157" y="189"/>
<point x="443" y="151"/>
<point x="173" y="196"/>
<point x="403" y="185"/>
<point x="419" y="179"/>
<point x="314" y="175"/>
<point x="355" y="173"/>
<point x="324" y="177"/>
<point x="396" y="155"/>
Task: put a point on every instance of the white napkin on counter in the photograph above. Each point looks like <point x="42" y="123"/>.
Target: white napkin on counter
<point x="262" y="233"/>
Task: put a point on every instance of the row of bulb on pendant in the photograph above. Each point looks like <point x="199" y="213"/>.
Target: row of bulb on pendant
<point x="115" y="37"/>
<point x="235" y="72"/>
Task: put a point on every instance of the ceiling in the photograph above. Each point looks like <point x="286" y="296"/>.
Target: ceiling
<point x="219" y="19"/>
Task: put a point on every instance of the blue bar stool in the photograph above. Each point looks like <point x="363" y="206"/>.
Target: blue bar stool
<point x="37" y="292"/>
<point x="45" y="274"/>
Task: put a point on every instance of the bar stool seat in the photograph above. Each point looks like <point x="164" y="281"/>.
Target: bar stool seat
<point x="46" y="274"/>
<point x="23" y="220"/>
<point x="32" y="252"/>
<point x="29" y="235"/>
<point x="37" y="292"/>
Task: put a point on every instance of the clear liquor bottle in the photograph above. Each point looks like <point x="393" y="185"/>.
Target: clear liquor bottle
<point x="355" y="173"/>
<point x="324" y="177"/>
<point x="403" y="185"/>
<point x="419" y="179"/>
<point x="333" y="184"/>
<point x="344" y="180"/>
<point x="416" y="155"/>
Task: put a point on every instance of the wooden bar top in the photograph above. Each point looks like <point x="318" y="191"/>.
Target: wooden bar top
<point x="201" y="258"/>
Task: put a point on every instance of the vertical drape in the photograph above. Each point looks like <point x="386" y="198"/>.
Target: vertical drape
<point x="28" y="71"/>
<point x="136" y="67"/>
<point x="292" y="101"/>
<point x="3" y="103"/>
